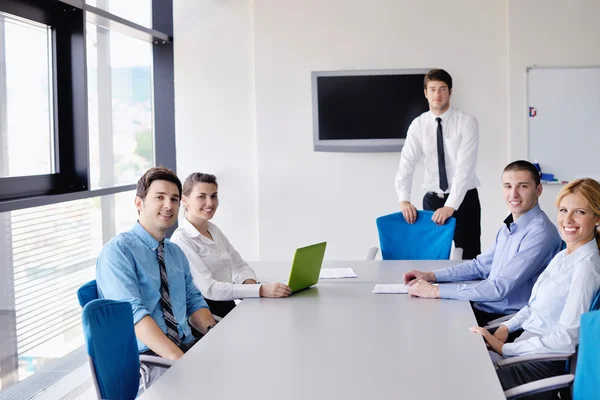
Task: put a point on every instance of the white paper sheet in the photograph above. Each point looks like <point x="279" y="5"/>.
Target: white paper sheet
<point x="391" y="288"/>
<point x="337" y="273"/>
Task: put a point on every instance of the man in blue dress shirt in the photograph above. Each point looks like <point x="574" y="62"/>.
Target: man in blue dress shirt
<point x="145" y="269"/>
<point x="524" y="246"/>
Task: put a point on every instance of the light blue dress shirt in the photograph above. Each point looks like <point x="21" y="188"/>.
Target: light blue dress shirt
<point x="509" y="268"/>
<point x="127" y="270"/>
<point x="564" y="291"/>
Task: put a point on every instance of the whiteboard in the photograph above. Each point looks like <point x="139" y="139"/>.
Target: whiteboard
<point x="564" y="133"/>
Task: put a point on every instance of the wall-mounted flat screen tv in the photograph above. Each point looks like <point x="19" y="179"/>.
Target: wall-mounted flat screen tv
<point x="365" y="111"/>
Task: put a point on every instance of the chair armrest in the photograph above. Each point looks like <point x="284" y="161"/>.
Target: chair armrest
<point x="543" y="385"/>
<point x="493" y="324"/>
<point x="156" y="361"/>
<point x="456" y="253"/>
<point x="372" y="253"/>
<point x="528" y="358"/>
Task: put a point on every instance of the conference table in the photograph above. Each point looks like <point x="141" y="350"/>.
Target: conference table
<point x="338" y="340"/>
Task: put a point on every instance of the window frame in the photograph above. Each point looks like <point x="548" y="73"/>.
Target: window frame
<point x="68" y="18"/>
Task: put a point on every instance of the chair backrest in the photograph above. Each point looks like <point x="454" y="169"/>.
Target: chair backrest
<point x="87" y="293"/>
<point x="423" y="240"/>
<point x="587" y="373"/>
<point x="112" y="348"/>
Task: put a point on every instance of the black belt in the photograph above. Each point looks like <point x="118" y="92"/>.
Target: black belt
<point x="440" y="195"/>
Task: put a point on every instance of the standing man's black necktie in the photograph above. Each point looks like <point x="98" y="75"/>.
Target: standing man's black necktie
<point x="165" y="300"/>
<point x="441" y="156"/>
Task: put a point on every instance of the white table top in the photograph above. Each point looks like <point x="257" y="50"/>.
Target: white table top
<point x="375" y="271"/>
<point x="337" y="341"/>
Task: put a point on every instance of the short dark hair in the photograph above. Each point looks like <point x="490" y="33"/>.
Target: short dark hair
<point x="198" y="177"/>
<point x="522" y="165"/>
<point x="160" y="173"/>
<point x="438" y="75"/>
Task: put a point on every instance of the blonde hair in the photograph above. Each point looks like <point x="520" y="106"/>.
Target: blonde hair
<point x="589" y="189"/>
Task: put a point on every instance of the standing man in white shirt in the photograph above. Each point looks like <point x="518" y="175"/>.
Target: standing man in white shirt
<point x="447" y="139"/>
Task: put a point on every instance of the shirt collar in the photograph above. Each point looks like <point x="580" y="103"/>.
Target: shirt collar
<point x="579" y="254"/>
<point x="524" y="220"/>
<point x="145" y="237"/>
<point x="189" y="229"/>
<point x="444" y="116"/>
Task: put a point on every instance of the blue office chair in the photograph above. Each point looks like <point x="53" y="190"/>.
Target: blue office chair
<point x="87" y="293"/>
<point x="112" y="348"/>
<point x="587" y="363"/>
<point x="423" y="240"/>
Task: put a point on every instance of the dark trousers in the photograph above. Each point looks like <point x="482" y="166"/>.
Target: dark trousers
<point x="467" y="234"/>
<point x="220" y="308"/>
<point x="530" y="372"/>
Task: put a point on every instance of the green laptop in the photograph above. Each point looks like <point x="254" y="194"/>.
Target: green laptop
<point x="306" y="266"/>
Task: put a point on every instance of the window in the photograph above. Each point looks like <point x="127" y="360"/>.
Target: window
<point x="53" y="252"/>
<point x="26" y="105"/>
<point x="120" y="107"/>
<point x="79" y="86"/>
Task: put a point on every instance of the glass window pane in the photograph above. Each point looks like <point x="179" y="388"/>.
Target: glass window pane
<point x="120" y="108"/>
<point x="26" y="106"/>
<point x="138" y="11"/>
<point x="52" y="251"/>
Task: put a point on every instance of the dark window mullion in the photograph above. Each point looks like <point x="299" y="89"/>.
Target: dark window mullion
<point x="71" y="89"/>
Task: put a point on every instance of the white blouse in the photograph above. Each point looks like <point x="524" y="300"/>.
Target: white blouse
<point x="563" y="292"/>
<point x="217" y="268"/>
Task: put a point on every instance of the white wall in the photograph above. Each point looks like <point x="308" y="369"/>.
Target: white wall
<point x="227" y="118"/>
<point x="546" y="33"/>
<point x="214" y="109"/>
<point x="305" y="196"/>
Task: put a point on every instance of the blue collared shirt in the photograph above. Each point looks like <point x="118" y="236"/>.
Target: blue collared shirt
<point x="509" y="269"/>
<point x="127" y="270"/>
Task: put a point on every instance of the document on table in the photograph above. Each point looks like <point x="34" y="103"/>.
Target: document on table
<point x="391" y="288"/>
<point x="337" y="273"/>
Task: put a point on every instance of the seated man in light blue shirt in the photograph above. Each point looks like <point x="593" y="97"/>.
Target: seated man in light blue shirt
<point x="145" y="269"/>
<point x="524" y="246"/>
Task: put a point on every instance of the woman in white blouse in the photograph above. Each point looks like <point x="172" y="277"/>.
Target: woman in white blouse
<point x="217" y="268"/>
<point x="565" y="290"/>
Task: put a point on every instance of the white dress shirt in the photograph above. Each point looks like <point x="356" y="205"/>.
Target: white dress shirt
<point x="563" y="292"/>
<point x="461" y="139"/>
<point x="217" y="268"/>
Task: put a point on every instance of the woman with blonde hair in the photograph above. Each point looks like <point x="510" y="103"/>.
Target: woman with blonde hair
<point x="564" y="291"/>
<point x="218" y="270"/>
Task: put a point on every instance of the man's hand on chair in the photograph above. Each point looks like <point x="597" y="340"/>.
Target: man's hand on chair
<point x="412" y="276"/>
<point x="408" y="211"/>
<point x="442" y="214"/>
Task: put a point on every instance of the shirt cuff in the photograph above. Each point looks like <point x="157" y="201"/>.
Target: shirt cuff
<point x="451" y="202"/>
<point x="139" y="314"/>
<point x="509" y="350"/>
<point x="404" y="196"/>
<point x="196" y="305"/>
<point x="241" y="291"/>
<point x="441" y="275"/>
<point x="448" y="291"/>
<point x="512" y="326"/>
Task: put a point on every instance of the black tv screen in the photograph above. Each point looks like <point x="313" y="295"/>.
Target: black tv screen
<point x="365" y="110"/>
